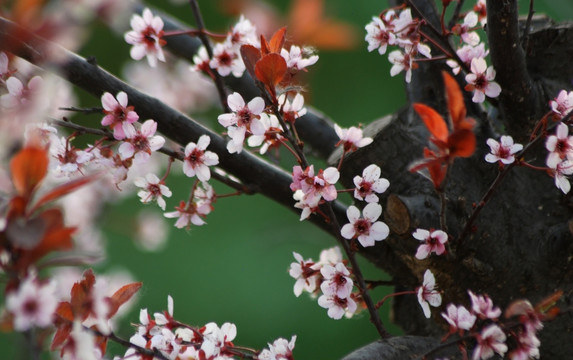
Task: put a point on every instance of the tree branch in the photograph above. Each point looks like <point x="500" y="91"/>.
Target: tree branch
<point x="254" y="172"/>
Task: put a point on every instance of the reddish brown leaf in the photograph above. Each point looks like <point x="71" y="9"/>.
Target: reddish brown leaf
<point x="122" y="296"/>
<point x="28" y="169"/>
<point x="64" y="189"/>
<point x="277" y="41"/>
<point x="250" y="56"/>
<point x="265" y="47"/>
<point x="270" y="70"/>
<point x="462" y="143"/>
<point x="434" y="122"/>
<point x="81" y="295"/>
<point x="64" y="320"/>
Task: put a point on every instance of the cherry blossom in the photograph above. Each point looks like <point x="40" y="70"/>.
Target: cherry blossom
<point x="119" y="116"/>
<point x="466" y="54"/>
<point x="242" y="121"/>
<point x="315" y="187"/>
<point x="483" y="307"/>
<point x="20" y="96"/>
<point x="146" y="37"/>
<point x="560" y="146"/>
<point x="292" y="110"/>
<point x="69" y="160"/>
<point x="480" y="81"/>
<point x="280" y="349"/>
<point x="459" y="318"/>
<point x="490" y="341"/>
<point x="337" y="306"/>
<point x="295" y="58"/>
<point x="527" y="347"/>
<point x="201" y="61"/>
<point x="272" y="138"/>
<point x="351" y="138"/>
<point x="186" y="214"/>
<point x="560" y="172"/>
<point x="306" y="273"/>
<point x="197" y="160"/>
<point x="336" y="281"/>
<point x="378" y="36"/>
<point x="562" y="104"/>
<point x="531" y="319"/>
<point x="366" y="229"/>
<point x="141" y="143"/>
<point x="433" y="242"/>
<point x="32" y="304"/>
<point x="244" y="32"/>
<point x="502" y="151"/>
<point x="401" y="62"/>
<point x="153" y="189"/>
<point x="369" y="184"/>
<point x="480" y="9"/>
<point x="330" y="256"/>
<point x="428" y="295"/>
<point x="226" y="60"/>
<point x="301" y="203"/>
<point x="465" y="30"/>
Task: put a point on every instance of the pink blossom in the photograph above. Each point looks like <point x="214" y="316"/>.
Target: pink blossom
<point x="140" y="144"/>
<point x="466" y="54"/>
<point x="20" y="96"/>
<point x="226" y="61"/>
<point x="562" y="104"/>
<point x="201" y="61"/>
<point x="370" y="183"/>
<point x="459" y="318"/>
<point x="428" y="295"/>
<point x="302" y="203"/>
<point x="186" y="214"/>
<point x="482" y="306"/>
<point x="244" y="120"/>
<point x="531" y="319"/>
<point x="197" y="159"/>
<point x="295" y="58"/>
<point x="336" y="281"/>
<point x="560" y="172"/>
<point x="330" y="256"/>
<point x="337" y="306"/>
<point x="490" y="341"/>
<point x="32" y="304"/>
<point x="527" y="347"/>
<point x="351" y="138"/>
<point x="315" y="187"/>
<point x="306" y="274"/>
<point x="292" y="110"/>
<point x="401" y="62"/>
<point x="433" y="242"/>
<point x="70" y="160"/>
<point x="119" y="116"/>
<point x="366" y="229"/>
<point x="272" y="138"/>
<point x="503" y="151"/>
<point x="146" y="37"/>
<point x="280" y="349"/>
<point x="378" y="36"/>
<point x="560" y="146"/>
<point x="244" y="32"/>
<point x="465" y="29"/>
<point x="480" y="81"/>
<point x="153" y="189"/>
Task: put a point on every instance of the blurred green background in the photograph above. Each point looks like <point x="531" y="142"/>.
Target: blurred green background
<point x="234" y="269"/>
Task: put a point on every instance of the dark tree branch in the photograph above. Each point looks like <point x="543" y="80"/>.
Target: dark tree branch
<point x="255" y="173"/>
<point x="518" y="100"/>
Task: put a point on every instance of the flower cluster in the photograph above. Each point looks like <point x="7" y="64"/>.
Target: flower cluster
<point x="331" y="276"/>
<point x="146" y="37"/>
<point x="310" y="189"/>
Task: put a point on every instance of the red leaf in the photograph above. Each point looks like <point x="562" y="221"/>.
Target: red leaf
<point x="64" y="189"/>
<point x="277" y="41"/>
<point x="64" y="319"/>
<point x="455" y="99"/>
<point x="270" y="70"/>
<point x="434" y="122"/>
<point x="122" y="296"/>
<point x="28" y="169"/>
<point x="250" y="56"/>
<point x="81" y="295"/>
<point x="462" y="143"/>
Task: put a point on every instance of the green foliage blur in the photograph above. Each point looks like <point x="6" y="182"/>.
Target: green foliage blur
<point x="234" y="269"/>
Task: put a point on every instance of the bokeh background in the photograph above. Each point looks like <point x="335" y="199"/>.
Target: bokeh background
<point x="234" y="269"/>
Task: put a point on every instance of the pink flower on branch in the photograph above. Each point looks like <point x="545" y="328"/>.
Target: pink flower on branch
<point x="306" y="273"/>
<point x="428" y="295"/>
<point x="562" y="104"/>
<point x="32" y="304"/>
<point x="243" y="121"/>
<point x="337" y="306"/>
<point x="459" y="318"/>
<point x="490" y="341"/>
<point x="119" y="116"/>
<point x="502" y="151"/>
<point x="336" y="281"/>
<point x="146" y="37"/>
<point x="480" y="81"/>
<point x="483" y="307"/>
<point x="141" y="143"/>
<point x="370" y="184"/>
<point x="351" y="138"/>
<point x="366" y="229"/>
<point x="280" y="349"/>
<point x="379" y="36"/>
<point x="152" y="189"/>
<point x="560" y="146"/>
<point x="197" y="159"/>
<point x="433" y="242"/>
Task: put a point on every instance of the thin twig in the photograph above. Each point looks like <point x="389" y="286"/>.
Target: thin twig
<point x="456" y="14"/>
<point x="93" y="110"/>
<point x="205" y="40"/>
<point x="525" y="36"/>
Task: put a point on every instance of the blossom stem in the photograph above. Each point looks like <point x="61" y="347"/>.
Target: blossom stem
<point x="381" y="302"/>
<point x="192" y="33"/>
<point x="291" y="150"/>
<point x="205" y="40"/>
